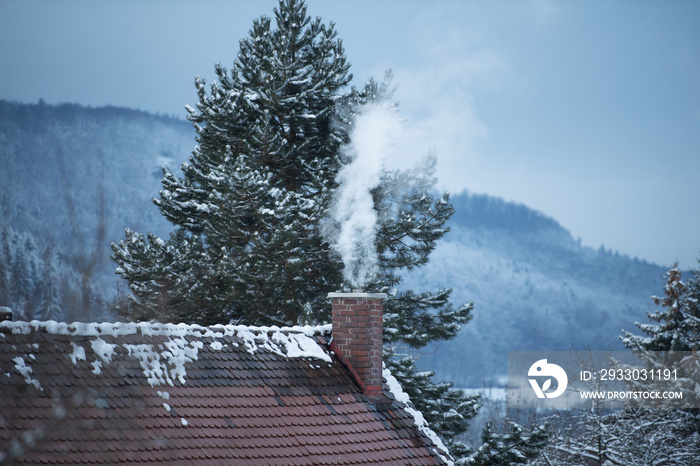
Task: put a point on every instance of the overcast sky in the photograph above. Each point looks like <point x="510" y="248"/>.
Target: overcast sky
<point x="586" y="111"/>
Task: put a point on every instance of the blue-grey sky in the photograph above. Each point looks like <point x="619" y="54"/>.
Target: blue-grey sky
<point x="586" y="111"/>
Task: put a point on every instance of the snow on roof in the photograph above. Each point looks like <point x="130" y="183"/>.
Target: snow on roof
<point x="152" y="329"/>
<point x="164" y="363"/>
<point x="237" y="390"/>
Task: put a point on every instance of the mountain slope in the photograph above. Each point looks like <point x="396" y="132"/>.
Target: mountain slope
<point x="534" y="288"/>
<point x="75" y="177"/>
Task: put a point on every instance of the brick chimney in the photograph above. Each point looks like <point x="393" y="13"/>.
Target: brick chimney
<point x="358" y="338"/>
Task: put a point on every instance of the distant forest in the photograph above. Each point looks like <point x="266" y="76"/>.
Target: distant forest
<point x="73" y="178"/>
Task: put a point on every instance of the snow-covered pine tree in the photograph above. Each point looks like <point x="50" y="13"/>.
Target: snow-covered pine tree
<point x="630" y="437"/>
<point x="669" y="435"/>
<point x="583" y="435"/>
<point x="247" y="245"/>
<point x="6" y="292"/>
<point x="515" y="446"/>
<point x="674" y="327"/>
<point x="33" y="285"/>
<point x="50" y="304"/>
<point x="23" y="278"/>
<point x="672" y="338"/>
<point x="693" y="296"/>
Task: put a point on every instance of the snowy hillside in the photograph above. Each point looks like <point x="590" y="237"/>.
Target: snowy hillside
<point x="75" y="177"/>
<point x="534" y="288"/>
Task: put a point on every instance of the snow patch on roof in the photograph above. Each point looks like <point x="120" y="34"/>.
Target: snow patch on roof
<point x="78" y="353"/>
<point x="401" y="396"/>
<point x="164" y="363"/>
<point x="299" y="345"/>
<point x="164" y="367"/>
<point x="26" y="372"/>
<point x="103" y="349"/>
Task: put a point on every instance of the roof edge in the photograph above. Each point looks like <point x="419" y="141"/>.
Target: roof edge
<point x="396" y="390"/>
<point x="150" y="328"/>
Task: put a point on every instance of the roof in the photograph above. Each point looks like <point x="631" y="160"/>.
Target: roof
<point x="182" y="394"/>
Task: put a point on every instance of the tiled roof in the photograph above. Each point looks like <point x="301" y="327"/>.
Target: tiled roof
<point x="148" y="393"/>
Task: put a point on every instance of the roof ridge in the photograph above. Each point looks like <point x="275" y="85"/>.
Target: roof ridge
<point x="151" y="329"/>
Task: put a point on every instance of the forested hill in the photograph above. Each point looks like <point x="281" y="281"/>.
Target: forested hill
<point x="534" y="288"/>
<point x="73" y="178"/>
<point x="65" y="168"/>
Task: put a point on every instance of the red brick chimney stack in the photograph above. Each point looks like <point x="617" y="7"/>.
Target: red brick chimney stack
<point x="358" y="337"/>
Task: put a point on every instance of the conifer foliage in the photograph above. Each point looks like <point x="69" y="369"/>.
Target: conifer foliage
<point x="676" y="326"/>
<point x="515" y="446"/>
<point x="641" y="434"/>
<point x="249" y="208"/>
<point x="672" y="338"/>
<point x="35" y="281"/>
<point x="246" y="246"/>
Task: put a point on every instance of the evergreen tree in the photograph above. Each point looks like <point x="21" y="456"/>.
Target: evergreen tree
<point x="447" y="410"/>
<point x="672" y="339"/>
<point x="630" y="437"/>
<point x="50" y="306"/>
<point x="6" y="294"/>
<point x="693" y="296"/>
<point x="674" y="327"/>
<point x="36" y="286"/>
<point x="247" y="246"/>
<point x="23" y="278"/>
<point x="248" y="212"/>
<point x="516" y="446"/>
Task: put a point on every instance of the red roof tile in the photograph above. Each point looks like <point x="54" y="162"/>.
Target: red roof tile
<point x="191" y="395"/>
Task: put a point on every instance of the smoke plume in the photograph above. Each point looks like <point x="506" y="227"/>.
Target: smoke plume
<point x="353" y="218"/>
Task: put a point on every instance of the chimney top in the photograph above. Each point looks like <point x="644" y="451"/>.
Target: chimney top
<point x="358" y="294"/>
<point x="358" y="338"/>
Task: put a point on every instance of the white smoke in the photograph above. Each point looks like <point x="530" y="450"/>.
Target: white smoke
<point x="354" y="220"/>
